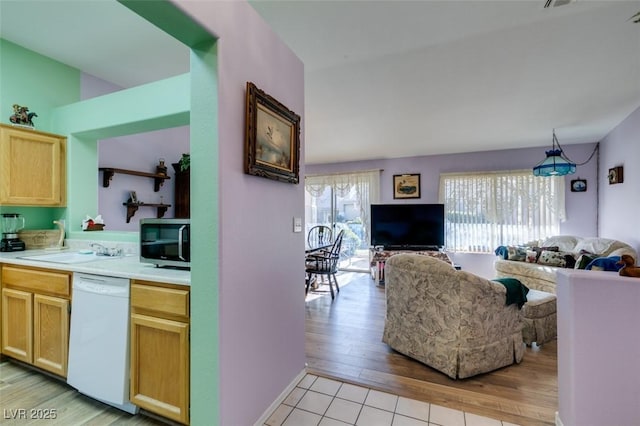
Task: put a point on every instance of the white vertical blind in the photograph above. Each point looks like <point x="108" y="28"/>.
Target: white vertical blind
<point x="486" y="209"/>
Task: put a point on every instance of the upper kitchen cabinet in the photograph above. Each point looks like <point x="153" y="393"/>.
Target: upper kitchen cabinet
<point x="32" y="168"/>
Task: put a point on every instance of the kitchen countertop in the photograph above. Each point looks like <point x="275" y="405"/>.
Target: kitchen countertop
<point x="122" y="267"/>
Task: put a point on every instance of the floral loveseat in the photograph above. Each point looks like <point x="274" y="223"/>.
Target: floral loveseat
<point x="453" y="321"/>
<point x="535" y="263"/>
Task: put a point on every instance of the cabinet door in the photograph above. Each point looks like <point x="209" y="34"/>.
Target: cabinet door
<point x="50" y="333"/>
<point x="32" y="168"/>
<point x="160" y="366"/>
<point x="17" y="326"/>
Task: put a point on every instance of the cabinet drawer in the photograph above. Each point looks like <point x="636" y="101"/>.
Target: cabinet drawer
<point x="36" y="280"/>
<point x="170" y="301"/>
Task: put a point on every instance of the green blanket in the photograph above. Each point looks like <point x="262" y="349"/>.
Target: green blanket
<point x="516" y="291"/>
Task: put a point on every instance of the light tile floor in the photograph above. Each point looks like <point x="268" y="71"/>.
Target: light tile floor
<point x="318" y="401"/>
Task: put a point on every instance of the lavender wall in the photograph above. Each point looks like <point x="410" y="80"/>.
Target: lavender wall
<point x="581" y="207"/>
<point x="261" y="296"/>
<point x="619" y="204"/>
<point x="598" y="349"/>
<point x="139" y="152"/>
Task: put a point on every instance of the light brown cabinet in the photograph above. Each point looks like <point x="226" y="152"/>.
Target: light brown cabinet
<point x="32" y="167"/>
<point x="35" y="317"/>
<point x="160" y="349"/>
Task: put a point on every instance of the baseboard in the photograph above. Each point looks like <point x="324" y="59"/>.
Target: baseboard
<point x="275" y="404"/>
<point x="558" y="420"/>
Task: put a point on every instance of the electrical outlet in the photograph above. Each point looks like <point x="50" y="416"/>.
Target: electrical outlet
<point x="297" y="224"/>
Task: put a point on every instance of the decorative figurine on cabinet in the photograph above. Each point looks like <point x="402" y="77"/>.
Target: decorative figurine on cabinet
<point x="22" y="116"/>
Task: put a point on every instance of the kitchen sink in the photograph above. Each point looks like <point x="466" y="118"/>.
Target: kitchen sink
<point x="73" y="257"/>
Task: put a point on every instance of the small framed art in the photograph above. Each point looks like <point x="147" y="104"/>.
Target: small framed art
<point x="406" y="186"/>
<point x="579" y="185"/>
<point x="616" y="175"/>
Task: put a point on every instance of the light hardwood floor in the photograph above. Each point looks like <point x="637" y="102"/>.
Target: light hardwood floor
<point x="344" y="341"/>
<point x="28" y="397"/>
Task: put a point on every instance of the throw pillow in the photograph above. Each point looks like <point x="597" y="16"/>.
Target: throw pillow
<point x="516" y="253"/>
<point x="532" y="256"/>
<point x="605" y="264"/>
<point x="502" y="251"/>
<point x="584" y="260"/>
<point x="555" y="258"/>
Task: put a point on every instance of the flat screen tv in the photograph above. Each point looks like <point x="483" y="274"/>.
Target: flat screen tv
<point x="407" y="226"/>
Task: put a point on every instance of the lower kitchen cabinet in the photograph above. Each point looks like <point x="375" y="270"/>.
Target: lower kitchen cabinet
<point x="160" y="349"/>
<point x="35" y="317"/>
<point x="51" y="333"/>
<point x="17" y="324"/>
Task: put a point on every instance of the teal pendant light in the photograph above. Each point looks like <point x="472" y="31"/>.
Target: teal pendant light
<point x="556" y="163"/>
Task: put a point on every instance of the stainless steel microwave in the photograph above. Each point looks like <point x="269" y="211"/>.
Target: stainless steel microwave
<point x="165" y="242"/>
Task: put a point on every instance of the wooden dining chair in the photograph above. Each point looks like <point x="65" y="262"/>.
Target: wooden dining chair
<point x="318" y="236"/>
<point x="325" y="263"/>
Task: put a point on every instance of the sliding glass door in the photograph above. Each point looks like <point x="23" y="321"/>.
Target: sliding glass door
<point x="343" y="202"/>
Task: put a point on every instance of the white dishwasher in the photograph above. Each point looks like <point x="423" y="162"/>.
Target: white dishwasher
<point x="99" y="339"/>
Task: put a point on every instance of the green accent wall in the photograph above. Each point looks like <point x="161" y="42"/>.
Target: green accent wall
<point x="205" y="384"/>
<point x="158" y="105"/>
<point x="42" y="84"/>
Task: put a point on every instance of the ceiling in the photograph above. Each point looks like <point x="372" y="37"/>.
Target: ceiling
<point x="386" y="79"/>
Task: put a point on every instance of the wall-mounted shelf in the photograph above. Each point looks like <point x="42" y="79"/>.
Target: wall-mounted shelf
<point x="108" y="172"/>
<point x="132" y="208"/>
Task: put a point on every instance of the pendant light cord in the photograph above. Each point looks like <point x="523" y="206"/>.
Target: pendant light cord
<point x="597" y="147"/>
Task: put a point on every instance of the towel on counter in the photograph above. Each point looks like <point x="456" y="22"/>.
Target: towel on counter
<point x="516" y="291"/>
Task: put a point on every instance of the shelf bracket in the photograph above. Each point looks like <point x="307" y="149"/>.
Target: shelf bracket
<point x="132" y="208"/>
<point x="107" y="175"/>
<point x="157" y="183"/>
<point x="162" y="210"/>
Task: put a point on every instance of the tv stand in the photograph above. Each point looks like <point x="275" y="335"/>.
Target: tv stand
<point x="378" y="256"/>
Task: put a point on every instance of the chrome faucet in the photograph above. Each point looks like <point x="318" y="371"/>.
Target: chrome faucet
<point x="98" y="248"/>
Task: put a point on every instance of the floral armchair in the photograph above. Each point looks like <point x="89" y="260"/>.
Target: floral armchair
<point x="453" y="321"/>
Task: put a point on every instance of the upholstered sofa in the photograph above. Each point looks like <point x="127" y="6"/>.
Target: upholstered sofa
<point x="453" y="321"/>
<point x="535" y="263"/>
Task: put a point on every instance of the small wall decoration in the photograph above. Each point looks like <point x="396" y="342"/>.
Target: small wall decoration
<point x="272" y="139"/>
<point x="133" y="197"/>
<point x="616" y="175"/>
<point x="406" y="186"/>
<point x="579" y="185"/>
<point x="21" y="116"/>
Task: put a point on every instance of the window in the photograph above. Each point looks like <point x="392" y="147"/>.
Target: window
<point x="343" y="202"/>
<point x="484" y="210"/>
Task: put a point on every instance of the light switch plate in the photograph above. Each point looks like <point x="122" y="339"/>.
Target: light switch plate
<point x="297" y="224"/>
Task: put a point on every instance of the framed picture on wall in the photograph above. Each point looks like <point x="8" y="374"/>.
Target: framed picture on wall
<point x="272" y="138"/>
<point x="579" y="185"/>
<point x="406" y="186"/>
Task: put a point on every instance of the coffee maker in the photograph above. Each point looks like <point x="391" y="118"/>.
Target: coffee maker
<point x="11" y="223"/>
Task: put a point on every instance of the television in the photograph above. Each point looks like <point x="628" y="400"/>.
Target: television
<point x="407" y="226"/>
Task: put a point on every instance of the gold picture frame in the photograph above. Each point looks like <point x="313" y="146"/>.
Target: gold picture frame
<point x="272" y="138"/>
<point x="406" y="186"/>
